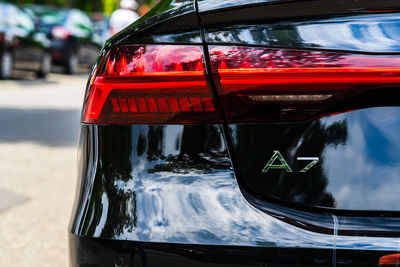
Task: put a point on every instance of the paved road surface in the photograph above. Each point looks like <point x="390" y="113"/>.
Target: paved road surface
<point x="39" y="124"/>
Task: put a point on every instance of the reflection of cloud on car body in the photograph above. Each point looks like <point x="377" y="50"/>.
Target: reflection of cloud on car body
<point x="357" y="169"/>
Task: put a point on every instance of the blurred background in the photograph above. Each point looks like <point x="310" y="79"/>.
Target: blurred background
<point x="89" y="6"/>
<point x="47" y="48"/>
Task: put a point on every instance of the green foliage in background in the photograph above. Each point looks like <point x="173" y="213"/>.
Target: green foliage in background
<point x="106" y="6"/>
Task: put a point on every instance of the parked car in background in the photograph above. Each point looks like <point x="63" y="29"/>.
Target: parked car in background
<point x="243" y="133"/>
<point x="22" y="46"/>
<point x="101" y="28"/>
<point x="71" y="35"/>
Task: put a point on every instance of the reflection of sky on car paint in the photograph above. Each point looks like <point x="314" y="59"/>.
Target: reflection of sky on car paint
<point x="354" y="34"/>
<point x="216" y="213"/>
<point x="367" y="243"/>
<point x="377" y="33"/>
<point x="210" y="211"/>
<point x="171" y="148"/>
<point x="192" y="207"/>
<point x="364" y="172"/>
<point x="206" y="5"/>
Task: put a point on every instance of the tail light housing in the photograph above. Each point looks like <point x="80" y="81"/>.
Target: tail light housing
<point x="150" y="84"/>
<point x="390" y="260"/>
<point x="264" y="84"/>
<point x="167" y="84"/>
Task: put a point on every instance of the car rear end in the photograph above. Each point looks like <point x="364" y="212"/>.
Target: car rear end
<point x="63" y="44"/>
<point x="263" y="133"/>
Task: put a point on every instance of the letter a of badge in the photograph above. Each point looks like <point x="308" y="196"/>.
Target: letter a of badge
<point x="283" y="164"/>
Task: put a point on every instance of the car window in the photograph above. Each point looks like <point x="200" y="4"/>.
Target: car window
<point x="53" y="18"/>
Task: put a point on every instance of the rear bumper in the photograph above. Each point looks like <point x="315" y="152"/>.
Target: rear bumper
<point x="100" y="252"/>
<point x="166" y="195"/>
<point x="61" y="51"/>
<point x="103" y="252"/>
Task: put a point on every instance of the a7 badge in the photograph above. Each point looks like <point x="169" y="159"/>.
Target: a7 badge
<point x="283" y="165"/>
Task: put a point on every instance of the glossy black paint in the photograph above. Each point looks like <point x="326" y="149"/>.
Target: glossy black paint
<point x="354" y="149"/>
<point x="294" y="8"/>
<point x="20" y="37"/>
<point x="103" y="252"/>
<point x="308" y="25"/>
<point x="343" y="224"/>
<point x="171" y="184"/>
<point x="174" y="184"/>
<point x="174" y="195"/>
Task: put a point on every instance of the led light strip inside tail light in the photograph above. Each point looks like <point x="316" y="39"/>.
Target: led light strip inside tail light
<point x="158" y="84"/>
<point x="150" y="84"/>
<point x="264" y="84"/>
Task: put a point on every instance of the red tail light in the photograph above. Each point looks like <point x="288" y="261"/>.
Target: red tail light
<point x="389" y="260"/>
<point x="259" y="84"/>
<point x="151" y="84"/>
<point x="60" y="33"/>
<point x="167" y="83"/>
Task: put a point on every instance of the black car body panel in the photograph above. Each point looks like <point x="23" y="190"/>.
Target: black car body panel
<point x="103" y="252"/>
<point x="189" y="191"/>
<point x="363" y="32"/>
<point x="346" y="176"/>
<point x="375" y="33"/>
<point x="175" y="195"/>
<point x="178" y="206"/>
<point x="289" y="9"/>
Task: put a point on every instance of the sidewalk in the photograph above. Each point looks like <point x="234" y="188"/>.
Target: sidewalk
<point x="38" y="141"/>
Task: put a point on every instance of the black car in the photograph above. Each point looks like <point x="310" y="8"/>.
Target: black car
<point x="22" y="46"/>
<point x="101" y="28"/>
<point x="71" y="34"/>
<point x="243" y="133"/>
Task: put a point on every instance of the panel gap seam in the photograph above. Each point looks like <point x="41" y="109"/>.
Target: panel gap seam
<point x="335" y="234"/>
